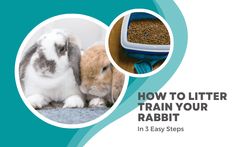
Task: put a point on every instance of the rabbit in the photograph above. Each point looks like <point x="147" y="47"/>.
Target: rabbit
<point x="100" y="81"/>
<point x="49" y="71"/>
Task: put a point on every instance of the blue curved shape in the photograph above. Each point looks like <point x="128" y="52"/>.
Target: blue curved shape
<point x="177" y="23"/>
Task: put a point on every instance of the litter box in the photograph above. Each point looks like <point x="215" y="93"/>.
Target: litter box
<point x="148" y="54"/>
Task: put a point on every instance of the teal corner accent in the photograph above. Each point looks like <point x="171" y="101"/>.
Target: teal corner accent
<point x="169" y="10"/>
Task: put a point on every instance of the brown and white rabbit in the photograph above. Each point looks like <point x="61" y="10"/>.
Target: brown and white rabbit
<point x="99" y="79"/>
<point x="49" y="71"/>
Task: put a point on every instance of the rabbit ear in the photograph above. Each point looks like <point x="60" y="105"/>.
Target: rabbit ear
<point x="114" y="92"/>
<point x="117" y="84"/>
<point x="25" y="61"/>
<point x="74" y="59"/>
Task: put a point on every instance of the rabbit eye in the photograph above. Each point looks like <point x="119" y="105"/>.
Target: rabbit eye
<point x="104" y="69"/>
<point x="62" y="50"/>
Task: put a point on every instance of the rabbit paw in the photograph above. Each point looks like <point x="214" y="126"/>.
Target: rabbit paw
<point x="97" y="102"/>
<point x="38" y="101"/>
<point x="74" y="101"/>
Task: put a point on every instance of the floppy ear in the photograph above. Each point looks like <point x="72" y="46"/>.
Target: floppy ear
<point x="74" y="59"/>
<point x="25" y="61"/>
<point x="117" y="84"/>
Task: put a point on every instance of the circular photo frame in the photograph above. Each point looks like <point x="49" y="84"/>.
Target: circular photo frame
<point x="45" y="63"/>
<point x="139" y="42"/>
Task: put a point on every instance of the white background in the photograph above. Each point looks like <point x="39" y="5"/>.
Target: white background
<point x="87" y="31"/>
<point x="208" y="65"/>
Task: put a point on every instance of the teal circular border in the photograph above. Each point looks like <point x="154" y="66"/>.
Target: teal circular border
<point x="172" y="14"/>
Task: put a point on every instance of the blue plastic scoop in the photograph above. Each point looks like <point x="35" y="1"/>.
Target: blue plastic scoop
<point x="146" y="66"/>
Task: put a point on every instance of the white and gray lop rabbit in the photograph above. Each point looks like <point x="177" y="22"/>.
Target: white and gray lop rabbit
<point x="49" y="71"/>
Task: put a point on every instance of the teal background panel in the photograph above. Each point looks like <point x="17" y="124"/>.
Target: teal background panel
<point x="18" y="125"/>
